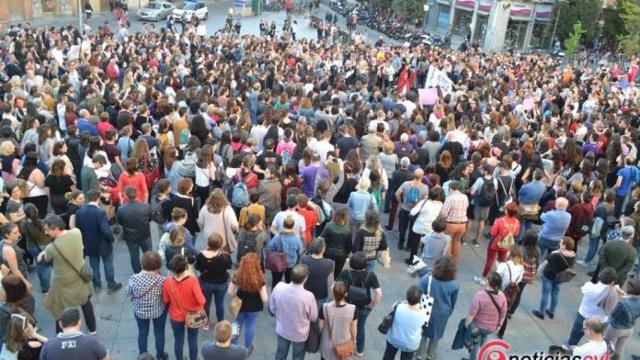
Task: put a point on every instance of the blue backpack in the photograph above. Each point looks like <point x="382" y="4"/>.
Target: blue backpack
<point x="239" y="194"/>
<point x="413" y="196"/>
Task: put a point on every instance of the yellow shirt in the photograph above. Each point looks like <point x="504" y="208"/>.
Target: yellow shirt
<point x="251" y="209"/>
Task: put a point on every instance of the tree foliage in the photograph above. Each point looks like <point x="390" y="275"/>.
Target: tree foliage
<point x="412" y="10"/>
<point x="613" y="26"/>
<point x="630" y="39"/>
<point x="382" y="3"/>
<point x="573" y="41"/>
<point x="572" y="11"/>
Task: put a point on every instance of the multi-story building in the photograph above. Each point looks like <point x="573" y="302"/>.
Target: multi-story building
<point x="526" y="22"/>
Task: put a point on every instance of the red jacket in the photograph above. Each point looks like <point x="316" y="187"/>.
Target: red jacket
<point x="581" y="214"/>
<point x="501" y="228"/>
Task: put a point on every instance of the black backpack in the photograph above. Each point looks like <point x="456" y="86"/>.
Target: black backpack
<point x="358" y="295"/>
<point x="487" y="193"/>
<point x="247" y="245"/>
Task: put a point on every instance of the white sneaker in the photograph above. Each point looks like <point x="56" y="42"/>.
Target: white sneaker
<point x="359" y="354"/>
<point x="479" y="280"/>
<point x="582" y="263"/>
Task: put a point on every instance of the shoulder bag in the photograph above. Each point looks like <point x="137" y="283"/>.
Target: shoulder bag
<point x="344" y="350"/>
<point x="192" y="319"/>
<point x="276" y="261"/>
<point x="387" y="320"/>
<point x="426" y="302"/>
<point x="567" y="274"/>
<point x="85" y="273"/>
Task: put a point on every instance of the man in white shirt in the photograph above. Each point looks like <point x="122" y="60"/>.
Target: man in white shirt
<point x="591" y="296"/>
<point x="278" y="221"/>
<point x="258" y="132"/>
<point x="596" y="347"/>
<point x="323" y="146"/>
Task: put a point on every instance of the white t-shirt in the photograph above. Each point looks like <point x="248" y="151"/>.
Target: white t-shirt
<point x="590" y="294"/>
<point x="299" y="226"/>
<point x="516" y="272"/>
<point x="594" y="349"/>
<point x="322" y="147"/>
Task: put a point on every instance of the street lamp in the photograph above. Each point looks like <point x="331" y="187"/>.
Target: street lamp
<point x="425" y="7"/>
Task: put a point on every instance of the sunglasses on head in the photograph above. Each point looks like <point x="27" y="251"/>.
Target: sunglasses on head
<point x="20" y="318"/>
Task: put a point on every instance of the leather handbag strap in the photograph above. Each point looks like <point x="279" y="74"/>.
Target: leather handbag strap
<point x="66" y="260"/>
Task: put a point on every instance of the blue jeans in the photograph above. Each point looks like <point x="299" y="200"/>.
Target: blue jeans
<point x="158" y="333"/>
<point x="217" y="291"/>
<point x="484" y="333"/>
<point x="362" y="319"/>
<point x="192" y="338"/>
<point x="526" y="225"/>
<point x="371" y="264"/>
<point x="43" y="269"/>
<point x="617" y="210"/>
<point x="594" y="242"/>
<point x="297" y="349"/>
<point x="106" y="254"/>
<point x="576" y="330"/>
<point x="134" y="253"/>
<point x="545" y="245"/>
<point x="549" y="287"/>
<point x="246" y="320"/>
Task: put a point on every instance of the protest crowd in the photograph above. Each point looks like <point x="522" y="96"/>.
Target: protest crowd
<point x="262" y="165"/>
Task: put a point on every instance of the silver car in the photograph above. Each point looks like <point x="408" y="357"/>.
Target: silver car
<point x="186" y="11"/>
<point x="156" y="11"/>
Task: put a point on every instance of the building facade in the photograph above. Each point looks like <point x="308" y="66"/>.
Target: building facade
<point x="25" y="10"/>
<point x="526" y="21"/>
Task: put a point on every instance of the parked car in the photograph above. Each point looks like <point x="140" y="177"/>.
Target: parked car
<point x="186" y="11"/>
<point x="156" y="11"/>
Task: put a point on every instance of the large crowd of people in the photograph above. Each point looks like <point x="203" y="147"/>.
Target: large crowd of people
<point x="256" y="158"/>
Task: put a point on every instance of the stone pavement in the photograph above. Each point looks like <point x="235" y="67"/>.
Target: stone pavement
<point x="526" y="334"/>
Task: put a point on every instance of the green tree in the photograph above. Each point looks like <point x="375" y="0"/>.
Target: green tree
<point x="412" y="10"/>
<point x="571" y="11"/>
<point x="383" y="3"/>
<point x="630" y="40"/>
<point x="573" y="41"/>
<point x="613" y="26"/>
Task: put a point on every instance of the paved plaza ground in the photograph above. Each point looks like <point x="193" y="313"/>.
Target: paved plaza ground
<point x="526" y="334"/>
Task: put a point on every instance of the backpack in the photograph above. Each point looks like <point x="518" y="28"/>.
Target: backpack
<point x="285" y="157"/>
<point x="413" y="197"/>
<point x="585" y="225"/>
<point x="487" y="193"/>
<point x="323" y="217"/>
<point x="156" y="211"/>
<point x="512" y="290"/>
<point x="247" y="245"/>
<point x="189" y="163"/>
<point x="184" y="137"/>
<point x="151" y="169"/>
<point x="358" y="295"/>
<point x="239" y="193"/>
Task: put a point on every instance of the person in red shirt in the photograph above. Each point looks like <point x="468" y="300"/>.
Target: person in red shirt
<point x="508" y="224"/>
<point x="310" y="217"/>
<point x="182" y="293"/>
<point x="581" y="216"/>
<point x="104" y="125"/>
<point x="134" y="178"/>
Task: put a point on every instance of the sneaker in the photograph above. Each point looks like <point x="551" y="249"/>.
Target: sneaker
<point x="479" y="280"/>
<point x="582" y="262"/>
<point x="115" y="288"/>
<point x="97" y="290"/>
<point x="538" y="314"/>
<point x="400" y="247"/>
<point x="206" y="326"/>
<point x="475" y="243"/>
<point x="359" y="354"/>
<point x="389" y="228"/>
<point x="93" y="333"/>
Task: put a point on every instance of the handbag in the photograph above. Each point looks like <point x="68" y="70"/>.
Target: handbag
<point x="192" y="319"/>
<point x="529" y="211"/>
<point x="85" y="273"/>
<point x="567" y="274"/>
<point x="312" y="345"/>
<point x="344" y="350"/>
<point x="235" y="305"/>
<point x="276" y="261"/>
<point x="387" y="320"/>
<point x="426" y="302"/>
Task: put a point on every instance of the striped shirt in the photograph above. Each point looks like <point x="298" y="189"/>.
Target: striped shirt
<point x="145" y="292"/>
<point x="455" y="207"/>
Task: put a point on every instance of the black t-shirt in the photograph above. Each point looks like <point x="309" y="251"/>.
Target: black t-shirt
<point x="58" y="185"/>
<point x="112" y="151"/>
<point x="319" y="271"/>
<point x="251" y="302"/>
<point x="211" y="351"/>
<point x="269" y="158"/>
<point x="346" y="144"/>
<point x="363" y="278"/>
<point x="213" y="270"/>
<point x="348" y="186"/>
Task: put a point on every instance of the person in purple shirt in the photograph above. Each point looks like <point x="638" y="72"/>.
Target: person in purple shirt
<point x="403" y="147"/>
<point x="84" y="125"/>
<point x="309" y="175"/>
<point x="294" y="308"/>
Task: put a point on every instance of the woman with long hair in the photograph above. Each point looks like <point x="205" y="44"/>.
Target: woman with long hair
<point x="217" y="216"/>
<point x="182" y="293"/>
<point x="338" y="239"/>
<point x="214" y="265"/>
<point x="205" y="173"/>
<point x="21" y="341"/>
<point x="444" y="166"/>
<point x="58" y="183"/>
<point x="290" y="180"/>
<point x="248" y="284"/>
<point x="337" y="322"/>
<point x="370" y="238"/>
<point x="95" y="148"/>
<point x="441" y="283"/>
<point x="512" y="272"/>
<point x="36" y="240"/>
<point x="148" y="162"/>
<point x="134" y="178"/>
<point x="36" y="192"/>
<point x="184" y="199"/>
<point x="10" y="162"/>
